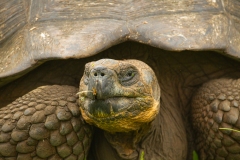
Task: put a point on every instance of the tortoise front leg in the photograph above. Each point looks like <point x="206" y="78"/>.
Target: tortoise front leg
<point x="215" y="109"/>
<point x="44" y="124"/>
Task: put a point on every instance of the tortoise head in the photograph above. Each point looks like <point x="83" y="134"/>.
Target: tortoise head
<point x="119" y="96"/>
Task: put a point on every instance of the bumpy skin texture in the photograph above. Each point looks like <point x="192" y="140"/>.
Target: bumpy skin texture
<point x="122" y="98"/>
<point x="44" y="124"/>
<point x="216" y="105"/>
<point x="179" y="75"/>
<point x="119" y="96"/>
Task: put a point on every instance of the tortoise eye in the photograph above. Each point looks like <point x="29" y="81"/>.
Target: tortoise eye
<point x="130" y="74"/>
<point x="128" y="77"/>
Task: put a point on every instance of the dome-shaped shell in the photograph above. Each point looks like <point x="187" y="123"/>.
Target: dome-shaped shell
<point x="32" y="32"/>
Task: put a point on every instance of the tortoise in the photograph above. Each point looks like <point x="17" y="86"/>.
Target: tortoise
<point x="191" y="46"/>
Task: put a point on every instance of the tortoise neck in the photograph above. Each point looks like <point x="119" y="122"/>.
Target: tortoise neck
<point x="128" y="144"/>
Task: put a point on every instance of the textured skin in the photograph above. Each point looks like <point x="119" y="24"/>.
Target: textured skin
<point x="120" y="102"/>
<point x="179" y="75"/>
<point x="44" y="124"/>
<point x="216" y="105"/>
<point x="121" y="97"/>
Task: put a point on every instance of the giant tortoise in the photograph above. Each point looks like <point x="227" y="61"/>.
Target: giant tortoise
<point x="172" y="89"/>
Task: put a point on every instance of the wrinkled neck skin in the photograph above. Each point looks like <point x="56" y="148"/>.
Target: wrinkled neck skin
<point x="128" y="144"/>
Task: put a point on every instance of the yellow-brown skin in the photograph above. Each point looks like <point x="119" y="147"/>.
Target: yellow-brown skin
<point x="132" y="95"/>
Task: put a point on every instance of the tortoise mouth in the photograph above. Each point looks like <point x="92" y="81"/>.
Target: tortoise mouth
<point x="119" y="114"/>
<point x="114" y="107"/>
<point x="109" y="108"/>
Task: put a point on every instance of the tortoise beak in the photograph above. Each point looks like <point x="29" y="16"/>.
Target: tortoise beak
<point x="98" y="91"/>
<point x="99" y="83"/>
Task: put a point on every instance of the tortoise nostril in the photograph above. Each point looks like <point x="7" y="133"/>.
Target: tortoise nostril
<point x="98" y="74"/>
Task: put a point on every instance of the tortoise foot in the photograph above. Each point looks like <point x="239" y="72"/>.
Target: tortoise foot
<point x="215" y="109"/>
<point x="44" y="124"/>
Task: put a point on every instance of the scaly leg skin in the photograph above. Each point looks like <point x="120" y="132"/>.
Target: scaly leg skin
<point x="216" y="105"/>
<point x="44" y="124"/>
